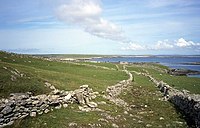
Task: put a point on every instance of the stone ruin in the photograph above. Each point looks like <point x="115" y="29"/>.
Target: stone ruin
<point x="21" y="105"/>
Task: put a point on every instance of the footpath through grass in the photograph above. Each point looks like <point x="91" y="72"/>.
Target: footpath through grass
<point x="149" y="109"/>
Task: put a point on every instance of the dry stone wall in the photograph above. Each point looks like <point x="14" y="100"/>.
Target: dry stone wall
<point x="21" y="105"/>
<point x="115" y="90"/>
<point x="188" y="103"/>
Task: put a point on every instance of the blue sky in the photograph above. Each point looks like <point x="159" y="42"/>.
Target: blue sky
<point x="100" y="26"/>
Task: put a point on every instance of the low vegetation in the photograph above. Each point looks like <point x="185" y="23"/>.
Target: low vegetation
<point x="191" y="84"/>
<point x="22" y="73"/>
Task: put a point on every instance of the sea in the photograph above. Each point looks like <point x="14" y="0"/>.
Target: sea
<point x="178" y="62"/>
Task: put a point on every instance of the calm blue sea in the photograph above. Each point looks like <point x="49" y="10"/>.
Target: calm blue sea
<point x="170" y="61"/>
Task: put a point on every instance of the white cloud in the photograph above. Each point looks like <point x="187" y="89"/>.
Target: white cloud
<point x="183" y="43"/>
<point x="163" y="45"/>
<point x="134" y="46"/>
<point x="87" y="14"/>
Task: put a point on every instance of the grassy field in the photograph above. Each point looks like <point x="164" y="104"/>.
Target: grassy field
<point x="75" y="56"/>
<point x="22" y="73"/>
<point x="179" y="82"/>
<point x="63" y="75"/>
<point x="108" y="65"/>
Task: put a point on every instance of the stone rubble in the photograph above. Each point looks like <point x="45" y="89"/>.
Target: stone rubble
<point x="116" y="90"/>
<point x="21" y="105"/>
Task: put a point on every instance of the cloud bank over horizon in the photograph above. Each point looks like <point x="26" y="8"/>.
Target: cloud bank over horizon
<point x="164" y="45"/>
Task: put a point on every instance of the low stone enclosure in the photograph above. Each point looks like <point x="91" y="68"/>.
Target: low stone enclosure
<point x="21" y="105"/>
<point x="188" y="103"/>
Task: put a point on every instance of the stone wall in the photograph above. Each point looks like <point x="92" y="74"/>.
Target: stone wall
<point x="188" y="103"/>
<point x="21" y="105"/>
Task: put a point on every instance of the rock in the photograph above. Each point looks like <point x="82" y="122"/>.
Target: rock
<point x="47" y="84"/>
<point x="2" y="106"/>
<point x="115" y="125"/>
<point x="84" y="86"/>
<point x="72" y="124"/>
<point x="56" y="92"/>
<point x="161" y="118"/>
<point x="140" y="121"/>
<point x="103" y="120"/>
<point x="65" y="105"/>
<point x="102" y="102"/>
<point x="132" y="106"/>
<point x="33" y="114"/>
<point x="58" y="107"/>
<point x="5" y="68"/>
<point x="86" y="100"/>
<point x="7" y="110"/>
<point x="79" y="96"/>
<point x="35" y="102"/>
<point x="52" y="87"/>
<point x="68" y="97"/>
<point x="46" y="110"/>
<point x="9" y="115"/>
<point x="84" y="108"/>
<point x="40" y="112"/>
<point x="92" y="104"/>
<point x="1" y="120"/>
<point x="125" y="112"/>
<point x="13" y="78"/>
<point x="148" y="125"/>
<point x="9" y="123"/>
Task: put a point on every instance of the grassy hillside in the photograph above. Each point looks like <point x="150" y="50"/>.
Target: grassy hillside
<point x="22" y="73"/>
<point x="35" y="72"/>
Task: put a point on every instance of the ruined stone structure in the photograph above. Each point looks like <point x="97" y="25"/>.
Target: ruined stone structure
<point x="21" y="105"/>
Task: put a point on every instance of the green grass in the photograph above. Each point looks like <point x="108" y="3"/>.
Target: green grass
<point x="65" y="76"/>
<point x="59" y="118"/>
<point x="108" y="65"/>
<point x="68" y="76"/>
<point x="143" y="93"/>
<point x="29" y="82"/>
<point x="179" y="82"/>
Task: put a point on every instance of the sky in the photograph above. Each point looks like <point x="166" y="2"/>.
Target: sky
<point x="125" y="27"/>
